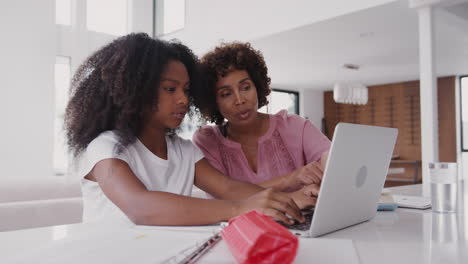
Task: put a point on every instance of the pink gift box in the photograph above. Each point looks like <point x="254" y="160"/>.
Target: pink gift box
<point x="255" y="238"/>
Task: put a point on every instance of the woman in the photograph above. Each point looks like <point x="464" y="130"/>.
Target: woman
<point x="282" y="151"/>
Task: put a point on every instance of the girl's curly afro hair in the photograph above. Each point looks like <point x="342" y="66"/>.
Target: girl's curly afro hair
<point x="113" y="88"/>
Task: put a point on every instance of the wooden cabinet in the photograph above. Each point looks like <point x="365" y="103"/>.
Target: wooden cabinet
<point x="447" y="126"/>
<point x="397" y="105"/>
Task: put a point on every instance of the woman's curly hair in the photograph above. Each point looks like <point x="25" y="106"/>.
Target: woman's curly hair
<point x="114" y="88"/>
<point x="219" y="63"/>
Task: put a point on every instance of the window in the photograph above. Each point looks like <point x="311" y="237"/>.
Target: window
<point x="174" y="15"/>
<point x="62" y="85"/>
<point x="464" y="111"/>
<point x="170" y="16"/>
<point x="188" y="127"/>
<point x="63" y="12"/>
<point x="191" y="124"/>
<point x="96" y="22"/>
<point x="107" y="16"/>
<point x="282" y="99"/>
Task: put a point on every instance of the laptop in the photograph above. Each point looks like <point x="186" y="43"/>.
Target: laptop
<point x="353" y="179"/>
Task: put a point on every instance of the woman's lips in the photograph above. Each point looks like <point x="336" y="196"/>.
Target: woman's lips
<point x="244" y="115"/>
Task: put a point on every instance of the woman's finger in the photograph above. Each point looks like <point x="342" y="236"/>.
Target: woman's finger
<point x="316" y="172"/>
<point x="318" y="166"/>
<point x="311" y="190"/>
<point x="310" y="178"/>
<point x="306" y="201"/>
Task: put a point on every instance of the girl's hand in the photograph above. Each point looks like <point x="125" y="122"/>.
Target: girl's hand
<point x="272" y="203"/>
<point x="311" y="173"/>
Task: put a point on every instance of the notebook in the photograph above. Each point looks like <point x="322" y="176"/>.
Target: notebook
<point x="416" y="202"/>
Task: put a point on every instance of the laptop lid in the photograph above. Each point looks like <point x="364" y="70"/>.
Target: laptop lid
<point x="354" y="176"/>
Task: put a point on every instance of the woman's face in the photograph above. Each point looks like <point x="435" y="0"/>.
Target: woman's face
<point x="236" y="97"/>
<point x="172" y="102"/>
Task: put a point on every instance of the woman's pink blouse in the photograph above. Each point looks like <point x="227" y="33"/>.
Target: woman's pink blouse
<point x="290" y="143"/>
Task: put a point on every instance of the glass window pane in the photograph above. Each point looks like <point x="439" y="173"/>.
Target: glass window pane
<point x="464" y="110"/>
<point x="107" y="16"/>
<point x="284" y="100"/>
<point x="62" y="85"/>
<point x="63" y="12"/>
<point x="190" y="125"/>
<point x="280" y="100"/>
<point x="174" y="15"/>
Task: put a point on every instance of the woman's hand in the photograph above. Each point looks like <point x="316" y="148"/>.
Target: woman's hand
<point x="272" y="203"/>
<point x="306" y="197"/>
<point x="311" y="190"/>
<point x="311" y="173"/>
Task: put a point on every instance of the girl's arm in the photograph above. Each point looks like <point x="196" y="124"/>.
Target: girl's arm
<point x="220" y="186"/>
<point x="143" y="207"/>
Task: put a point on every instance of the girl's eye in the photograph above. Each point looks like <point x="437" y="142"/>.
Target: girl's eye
<point x="172" y="89"/>
<point x="246" y="88"/>
<point x="187" y="90"/>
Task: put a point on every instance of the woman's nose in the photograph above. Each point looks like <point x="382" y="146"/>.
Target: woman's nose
<point x="239" y="99"/>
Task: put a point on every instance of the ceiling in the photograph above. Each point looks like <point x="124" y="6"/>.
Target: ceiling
<point x="210" y="22"/>
<point x="382" y="40"/>
<point x="460" y="10"/>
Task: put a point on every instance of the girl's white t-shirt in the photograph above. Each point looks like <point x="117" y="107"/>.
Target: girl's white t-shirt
<point x="174" y="175"/>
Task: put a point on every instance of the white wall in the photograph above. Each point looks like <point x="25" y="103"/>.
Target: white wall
<point x="27" y="96"/>
<point x="311" y="106"/>
<point x="30" y="40"/>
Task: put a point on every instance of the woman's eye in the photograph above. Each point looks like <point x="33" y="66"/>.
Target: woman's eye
<point x="171" y="89"/>
<point x="246" y="88"/>
<point x="187" y="90"/>
<point x="225" y="94"/>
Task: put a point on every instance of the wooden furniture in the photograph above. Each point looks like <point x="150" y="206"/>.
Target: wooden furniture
<point x="397" y="105"/>
<point x="407" y="172"/>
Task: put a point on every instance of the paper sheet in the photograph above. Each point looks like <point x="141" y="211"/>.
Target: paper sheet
<point x="125" y="246"/>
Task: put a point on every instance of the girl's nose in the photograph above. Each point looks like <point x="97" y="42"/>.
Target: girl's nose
<point x="183" y="98"/>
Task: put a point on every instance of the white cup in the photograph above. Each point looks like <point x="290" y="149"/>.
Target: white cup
<point x="443" y="177"/>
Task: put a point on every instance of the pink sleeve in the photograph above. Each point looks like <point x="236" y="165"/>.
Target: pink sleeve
<point x="314" y="142"/>
<point x="206" y="140"/>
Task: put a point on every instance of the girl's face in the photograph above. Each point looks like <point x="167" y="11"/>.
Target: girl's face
<point x="236" y="97"/>
<point x="173" y="91"/>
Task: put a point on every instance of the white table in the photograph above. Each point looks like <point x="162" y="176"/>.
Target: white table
<point x="402" y="236"/>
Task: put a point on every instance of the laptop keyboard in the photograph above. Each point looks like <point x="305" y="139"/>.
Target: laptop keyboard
<point x="301" y="226"/>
